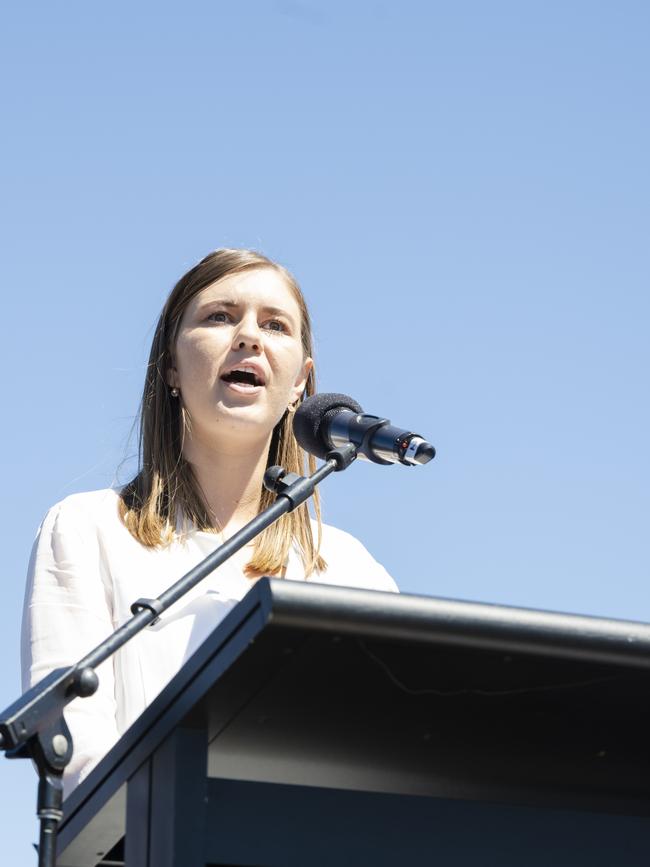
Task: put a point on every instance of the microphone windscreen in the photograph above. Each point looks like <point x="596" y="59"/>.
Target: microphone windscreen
<point x="310" y="420"/>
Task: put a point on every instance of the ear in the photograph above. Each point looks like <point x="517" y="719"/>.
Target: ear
<point x="172" y="377"/>
<point x="301" y="379"/>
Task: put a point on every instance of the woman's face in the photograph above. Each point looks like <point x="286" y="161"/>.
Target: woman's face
<point x="238" y="360"/>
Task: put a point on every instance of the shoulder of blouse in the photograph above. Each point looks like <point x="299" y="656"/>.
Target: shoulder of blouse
<point x="349" y="562"/>
<point x="86" y="510"/>
<point x="92" y="503"/>
<point x="95" y="514"/>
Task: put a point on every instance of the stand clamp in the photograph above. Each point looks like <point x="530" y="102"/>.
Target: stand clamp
<point x="296" y="489"/>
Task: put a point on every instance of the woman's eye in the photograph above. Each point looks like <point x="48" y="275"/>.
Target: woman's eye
<point x="275" y="325"/>
<point x="218" y="316"/>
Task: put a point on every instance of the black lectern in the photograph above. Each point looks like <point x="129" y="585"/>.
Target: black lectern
<point x="326" y="725"/>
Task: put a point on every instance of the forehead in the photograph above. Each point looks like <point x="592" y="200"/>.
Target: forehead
<point x="261" y="287"/>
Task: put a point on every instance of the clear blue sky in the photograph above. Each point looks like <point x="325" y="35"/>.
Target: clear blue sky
<point x="462" y="190"/>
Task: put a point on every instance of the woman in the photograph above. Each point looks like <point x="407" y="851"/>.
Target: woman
<point x="230" y="362"/>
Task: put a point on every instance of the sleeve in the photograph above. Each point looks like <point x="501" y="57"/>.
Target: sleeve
<point x="350" y="563"/>
<point x="371" y="574"/>
<point x="67" y="612"/>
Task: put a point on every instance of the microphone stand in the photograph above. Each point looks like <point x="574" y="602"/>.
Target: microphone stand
<point x="34" y="726"/>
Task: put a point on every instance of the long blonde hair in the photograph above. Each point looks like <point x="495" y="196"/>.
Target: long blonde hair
<point x="165" y="490"/>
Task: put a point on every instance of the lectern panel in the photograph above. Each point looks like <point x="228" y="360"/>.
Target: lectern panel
<point x="352" y="713"/>
<point x="267" y="825"/>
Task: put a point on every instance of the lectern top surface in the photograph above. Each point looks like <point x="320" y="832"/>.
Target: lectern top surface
<point x="428" y="619"/>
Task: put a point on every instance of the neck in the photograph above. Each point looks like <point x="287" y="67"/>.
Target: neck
<point x="230" y="480"/>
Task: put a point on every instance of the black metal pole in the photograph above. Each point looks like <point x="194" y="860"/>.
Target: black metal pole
<point x="50" y="813"/>
<point x="47" y="843"/>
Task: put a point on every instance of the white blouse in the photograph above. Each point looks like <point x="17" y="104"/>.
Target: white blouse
<point x="85" y="571"/>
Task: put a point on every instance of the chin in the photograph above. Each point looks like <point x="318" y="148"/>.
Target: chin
<point x="247" y="421"/>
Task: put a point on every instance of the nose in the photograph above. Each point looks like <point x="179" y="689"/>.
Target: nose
<point x="248" y="335"/>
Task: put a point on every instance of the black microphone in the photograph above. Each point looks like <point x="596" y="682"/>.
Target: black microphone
<point x="327" y="421"/>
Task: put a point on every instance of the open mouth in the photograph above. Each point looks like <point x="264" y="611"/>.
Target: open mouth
<point x="243" y="377"/>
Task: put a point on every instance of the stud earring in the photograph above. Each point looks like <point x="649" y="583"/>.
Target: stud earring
<point x="174" y="392"/>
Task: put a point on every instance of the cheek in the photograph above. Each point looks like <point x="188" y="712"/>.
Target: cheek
<point x="196" y="358"/>
<point x="290" y="368"/>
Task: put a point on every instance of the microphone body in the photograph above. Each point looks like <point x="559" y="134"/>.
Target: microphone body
<point x="327" y="421"/>
<point x="377" y="440"/>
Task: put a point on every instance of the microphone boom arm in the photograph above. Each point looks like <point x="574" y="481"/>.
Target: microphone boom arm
<point x="34" y="726"/>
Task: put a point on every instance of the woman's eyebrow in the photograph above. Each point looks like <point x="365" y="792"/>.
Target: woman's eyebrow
<point x="225" y="302"/>
<point x="276" y="311"/>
